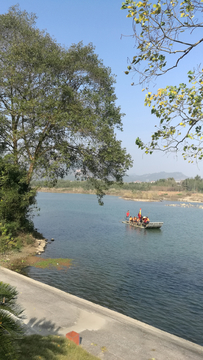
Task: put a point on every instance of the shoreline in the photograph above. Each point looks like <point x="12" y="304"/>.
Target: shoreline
<point x="99" y="327"/>
<point x="15" y="260"/>
<point x="144" y="196"/>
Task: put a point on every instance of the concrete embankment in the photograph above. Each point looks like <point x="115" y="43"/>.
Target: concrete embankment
<point x="104" y="333"/>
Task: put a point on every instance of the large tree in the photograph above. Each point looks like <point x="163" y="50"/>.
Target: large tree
<point x="57" y="105"/>
<point x="165" y="32"/>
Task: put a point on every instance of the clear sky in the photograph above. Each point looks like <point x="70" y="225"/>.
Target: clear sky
<point x="102" y="23"/>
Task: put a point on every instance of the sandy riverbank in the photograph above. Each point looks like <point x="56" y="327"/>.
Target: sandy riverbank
<point x="135" y="196"/>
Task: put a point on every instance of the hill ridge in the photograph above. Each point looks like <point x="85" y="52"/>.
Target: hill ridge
<point x="155" y="176"/>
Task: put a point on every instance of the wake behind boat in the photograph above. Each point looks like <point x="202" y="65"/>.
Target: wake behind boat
<point x="151" y="225"/>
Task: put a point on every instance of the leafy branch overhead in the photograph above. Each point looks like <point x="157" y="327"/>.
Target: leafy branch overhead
<point x="180" y="113"/>
<point x="161" y="32"/>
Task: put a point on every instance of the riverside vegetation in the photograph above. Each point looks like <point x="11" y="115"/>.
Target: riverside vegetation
<point x="163" y="189"/>
<point x="15" y="247"/>
<point x="46" y="128"/>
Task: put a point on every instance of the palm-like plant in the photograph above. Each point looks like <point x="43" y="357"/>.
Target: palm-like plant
<point x="10" y="325"/>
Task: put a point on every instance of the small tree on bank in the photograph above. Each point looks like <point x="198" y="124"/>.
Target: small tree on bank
<point x="57" y="106"/>
<point x="16" y="202"/>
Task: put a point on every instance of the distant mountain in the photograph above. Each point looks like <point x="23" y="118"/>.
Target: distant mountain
<point x="145" y="177"/>
<point x="154" y="177"/>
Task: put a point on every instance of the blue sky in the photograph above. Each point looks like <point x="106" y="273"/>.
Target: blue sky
<point x="102" y="23"/>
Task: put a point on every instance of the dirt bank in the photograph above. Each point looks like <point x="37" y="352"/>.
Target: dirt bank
<point x="16" y="259"/>
<point x="136" y="195"/>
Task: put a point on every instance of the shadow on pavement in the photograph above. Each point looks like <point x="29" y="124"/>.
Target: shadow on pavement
<point x="41" y="327"/>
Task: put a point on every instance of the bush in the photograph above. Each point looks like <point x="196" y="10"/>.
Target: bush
<point x="16" y="196"/>
<point x="10" y="326"/>
<point x="17" y="199"/>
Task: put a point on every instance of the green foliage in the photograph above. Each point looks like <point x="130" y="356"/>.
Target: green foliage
<point x="180" y="112"/>
<point x="10" y="327"/>
<point x="6" y="239"/>
<point x="138" y="186"/>
<point x="159" y="32"/>
<point x="143" y="186"/>
<point x="59" y="106"/>
<point x="16" y="196"/>
<point x="162" y="30"/>
<point x="195" y="185"/>
<point x="16" y="201"/>
<point x="169" y="184"/>
<point x="51" y="347"/>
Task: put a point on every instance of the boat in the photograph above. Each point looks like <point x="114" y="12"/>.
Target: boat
<point x="151" y="225"/>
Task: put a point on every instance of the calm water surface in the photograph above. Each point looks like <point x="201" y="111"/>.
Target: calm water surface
<point x="154" y="276"/>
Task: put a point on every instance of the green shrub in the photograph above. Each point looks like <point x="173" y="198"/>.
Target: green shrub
<point x="10" y="326"/>
<point x="17" y="200"/>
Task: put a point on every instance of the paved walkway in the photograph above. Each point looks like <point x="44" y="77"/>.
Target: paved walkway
<point x="52" y="311"/>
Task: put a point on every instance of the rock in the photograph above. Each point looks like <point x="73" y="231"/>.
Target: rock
<point x="41" y="246"/>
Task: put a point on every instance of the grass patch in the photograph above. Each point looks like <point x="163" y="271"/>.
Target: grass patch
<point x="20" y="265"/>
<point x="48" y="263"/>
<point x="36" y="347"/>
<point x="23" y="240"/>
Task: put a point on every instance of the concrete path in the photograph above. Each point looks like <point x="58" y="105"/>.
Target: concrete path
<point x="104" y="333"/>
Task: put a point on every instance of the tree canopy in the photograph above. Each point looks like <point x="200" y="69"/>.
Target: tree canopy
<point x="57" y="105"/>
<point x="165" y="32"/>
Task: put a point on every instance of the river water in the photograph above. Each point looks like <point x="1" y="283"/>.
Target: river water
<point x="154" y="276"/>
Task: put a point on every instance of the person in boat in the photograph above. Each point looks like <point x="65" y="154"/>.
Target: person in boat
<point x="130" y="219"/>
<point x="145" y="220"/>
<point x="127" y="215"/>
<point x="140" y="214"/>
<point x="134" y="219"/>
